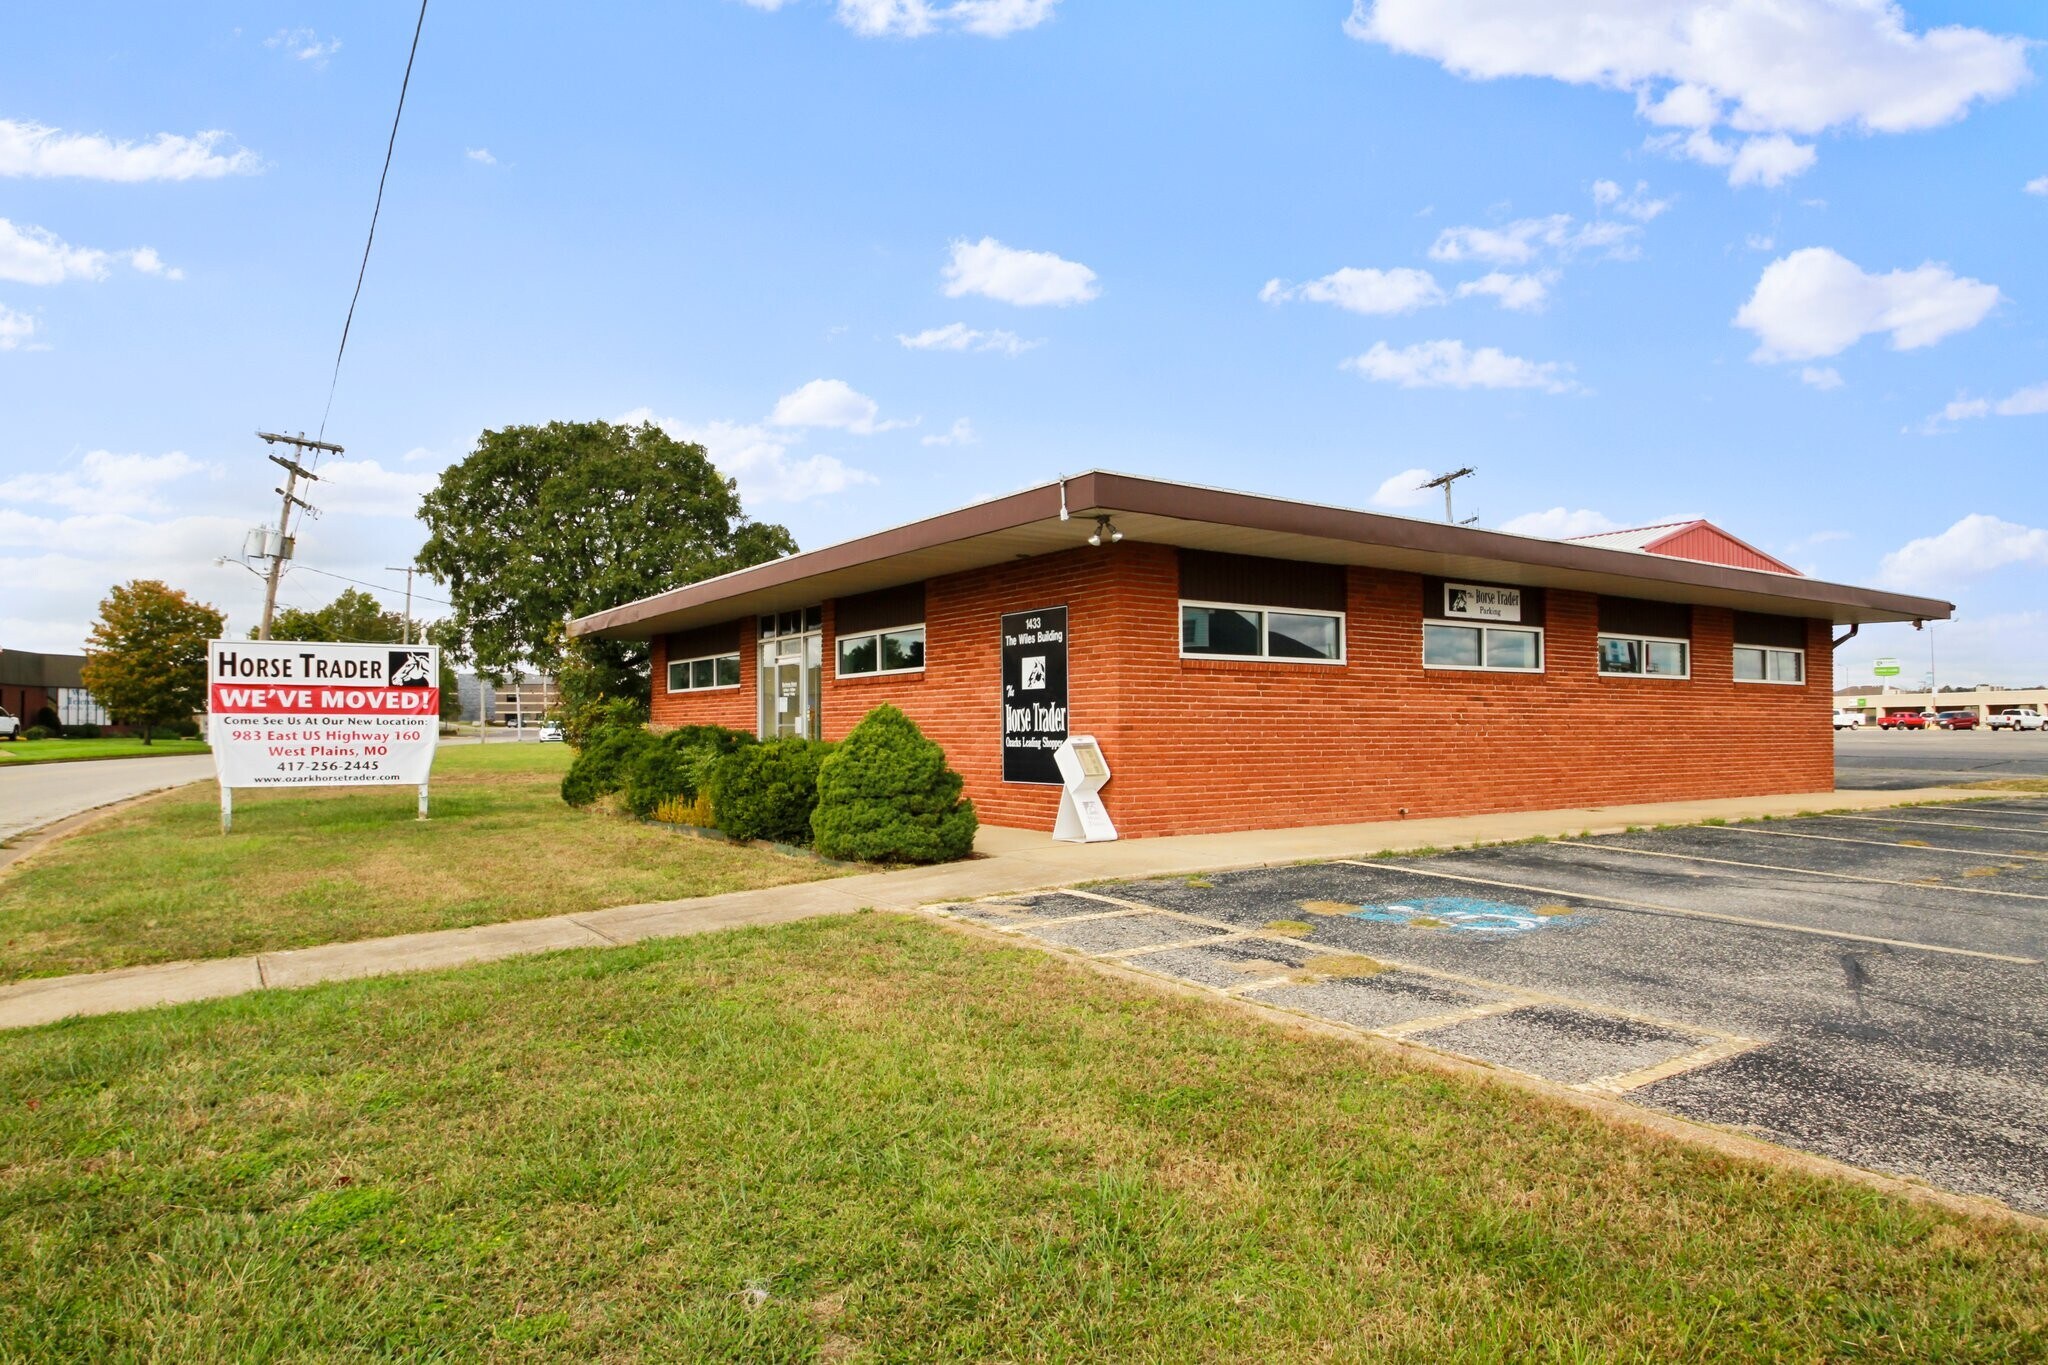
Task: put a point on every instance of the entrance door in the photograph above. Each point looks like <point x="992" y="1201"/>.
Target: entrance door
<point x="792" y="683"/>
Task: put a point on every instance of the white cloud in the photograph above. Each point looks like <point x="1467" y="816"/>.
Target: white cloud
<point x="1008" y="275"/>
<point x="366" y="488"/>
<point x="961" y="433"/>
<point x="2038" y="185"/>
<point x="1769" y="160"/>
<point x="304" y="44"/>
<point x="2031" y="401"/>
<point x="831" y="403"/>
<point x="1760" y="241"/>
<point x="1973" y="547"/>
<point x="958" y="336"/>
<point x="418" y="455"/>
<point x="480" y="155"/>
<point x="1404" y="490"/>
<point x="1816" y="303"/>
<point x="104" y="482"/>
<point x="1822" y="377"/>
<point x="15" y="328"/>
<point x="1523" y="240"/>
<point x="916" y="18"/>
<point x="1635" y="203"/>
<point x="759" y="459"/>
<point x="1373" y="292"/>
<point x="1449" y="364"/>
<point x="1517" y="293"/>
<point x="36" y="150"/>
<point x="33" y="255"/>
<point x="1761" y="68"/>
<point x="1559" y="523"/>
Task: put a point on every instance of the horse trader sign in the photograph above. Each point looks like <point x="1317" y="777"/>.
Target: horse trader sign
<point x="286" y="713"/>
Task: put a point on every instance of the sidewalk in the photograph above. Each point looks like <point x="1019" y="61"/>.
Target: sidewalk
<point x="1011" y="860"/>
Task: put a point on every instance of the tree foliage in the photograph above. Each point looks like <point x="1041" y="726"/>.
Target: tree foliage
<point x="543" y="523"/>
<point x="357" y="617"/>
<point x="145" y="659"/>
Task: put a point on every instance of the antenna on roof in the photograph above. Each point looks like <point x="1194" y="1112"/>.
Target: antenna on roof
<point x="1444" y="481"/>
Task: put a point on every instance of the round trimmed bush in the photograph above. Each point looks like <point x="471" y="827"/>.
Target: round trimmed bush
<point x="676" y="765"/>
<point x="768" y="791"/>
<point x="886" y="796"/>
<point x="601" y="765"/>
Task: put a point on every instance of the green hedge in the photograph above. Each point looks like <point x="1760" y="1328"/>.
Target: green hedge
<point x="602" y="764"/>
<point x="677" y="766"/>
<point x="885" y="795"/>
<point x="768" y="791"/>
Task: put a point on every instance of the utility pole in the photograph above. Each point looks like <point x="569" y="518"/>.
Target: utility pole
<point x="409" y="570"/>
<point x="1444" y="481"/>
<point x="294" y="471"/>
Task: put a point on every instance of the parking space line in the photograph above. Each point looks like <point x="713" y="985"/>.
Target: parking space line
<point x="1812" y="872"/>
<point x="1409" y="1027"/>
<point x="1940" y="824"/>
<point x="1744" y="920"/>
<point x="1977" y="853"/>
<point x="1208" y="942"/>
<point x="1718" y="1051"/>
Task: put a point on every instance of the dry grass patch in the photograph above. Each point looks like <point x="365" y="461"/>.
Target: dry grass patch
<point x="1340" y="967"/>
<point x="158" y="882"/>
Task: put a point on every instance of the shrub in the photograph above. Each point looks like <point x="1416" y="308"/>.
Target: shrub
<point x="676" y="811"/>
<point x="601" y="765"/>
<point x="177" y="729"/>
<point x="768" y="791"/>
<point x="581" y="724"/>
<point x="45" y="718"/>
<point x="35" y="732"/>
<point x="886" y="796"/>
<point x="676" y="765"/>
<point x="86" y="731"/>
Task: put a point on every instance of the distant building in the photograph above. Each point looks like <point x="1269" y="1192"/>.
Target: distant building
<point x="30" y="681"/>
<point x="525" y="701"/>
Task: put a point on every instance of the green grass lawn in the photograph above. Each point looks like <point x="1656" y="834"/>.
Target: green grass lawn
<point x="875" y="1138"/>
<point x="78" y="750"/>
<point x="159" y="882"/>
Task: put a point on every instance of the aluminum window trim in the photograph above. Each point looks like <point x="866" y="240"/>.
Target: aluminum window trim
<point x="1341" y="618"/>
<point x="670" y="677"/>
<point x="876" y="635"/>
<point x="1645" y="672"/>
<point x="1542" y="646"/>
<point x="1767" y="651"/>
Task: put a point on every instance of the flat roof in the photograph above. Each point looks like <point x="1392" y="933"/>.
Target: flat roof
<point x="1027" y="524"/>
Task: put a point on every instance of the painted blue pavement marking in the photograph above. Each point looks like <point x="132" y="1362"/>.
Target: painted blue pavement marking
<point x="1462" y="915"/>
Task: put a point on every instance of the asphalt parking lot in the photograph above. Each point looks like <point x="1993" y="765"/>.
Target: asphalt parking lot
<point x="1868" y="987"/>
<point x="1871" y="759"/>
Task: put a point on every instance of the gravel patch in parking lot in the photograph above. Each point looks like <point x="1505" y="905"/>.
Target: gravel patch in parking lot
<point x="1570" y="1046"/>
<point x="1227" y="964"/>
<point x="1377" y="1002"/>
<point x="1118" y="932"/>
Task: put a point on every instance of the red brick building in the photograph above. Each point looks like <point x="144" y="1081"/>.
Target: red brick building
<point x="1248" y="662"/>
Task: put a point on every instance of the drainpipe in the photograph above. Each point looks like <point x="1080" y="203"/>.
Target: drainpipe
<point x="1064" y="514"/>
<point x="1841" y="640"/>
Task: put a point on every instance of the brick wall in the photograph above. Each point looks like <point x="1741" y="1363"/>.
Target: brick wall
<point x="737" y="708"/>
<point x="1210" y="745"/>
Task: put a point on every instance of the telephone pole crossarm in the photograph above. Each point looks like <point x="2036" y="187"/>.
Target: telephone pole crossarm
<point x="294" y="470"/>
<point x="1444" y="481"/>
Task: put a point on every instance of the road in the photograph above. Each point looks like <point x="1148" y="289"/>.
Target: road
<point x="37" y="794"/>
<point x="1895" y="760"/>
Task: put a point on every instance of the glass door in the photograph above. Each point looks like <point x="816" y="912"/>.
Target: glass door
<point x="792" y="685"/>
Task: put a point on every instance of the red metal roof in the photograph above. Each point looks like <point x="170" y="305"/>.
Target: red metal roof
<point x="1699" y="540"/>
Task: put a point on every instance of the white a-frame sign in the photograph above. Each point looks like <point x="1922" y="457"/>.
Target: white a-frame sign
<point x="1083" y="770"/>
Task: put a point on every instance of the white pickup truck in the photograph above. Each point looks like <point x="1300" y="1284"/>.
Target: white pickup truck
<point x="2023" y="719"/>
<point x="10" y="724"/>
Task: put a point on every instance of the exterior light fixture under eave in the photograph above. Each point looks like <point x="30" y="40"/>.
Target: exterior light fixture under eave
<point x="1105" y="529"/>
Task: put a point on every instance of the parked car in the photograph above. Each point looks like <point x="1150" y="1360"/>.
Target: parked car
<point x="1902" y="720"/>
<point x="551" y="733"/>
<point x="1957" y="720"/>
<point x="1851" y="719"/>
<point x="2022" y="719"/>
<point x="10" y="725"/>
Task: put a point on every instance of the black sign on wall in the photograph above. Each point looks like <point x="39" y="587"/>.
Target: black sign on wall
<point x="1034" y="693"/>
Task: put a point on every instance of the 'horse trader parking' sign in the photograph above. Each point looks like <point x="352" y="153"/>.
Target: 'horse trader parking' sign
<point x="285" y="713"/>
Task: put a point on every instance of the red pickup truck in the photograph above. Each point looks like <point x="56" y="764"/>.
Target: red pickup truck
<point x="1902" y="720"/>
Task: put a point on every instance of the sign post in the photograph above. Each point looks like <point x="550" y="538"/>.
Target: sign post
<point x="289" y="714"/>
<point x="1034" y="694"/>
<point x="1082" y="818"/>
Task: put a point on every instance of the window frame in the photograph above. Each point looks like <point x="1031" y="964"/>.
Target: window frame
<point x="1542" y="645"/>
<point x="1767" y="680"/>
<point x="1265" y="633"/>
<point x="1646" y="641"/>
<point x="839" y="643"/>
<point x="669" y="677"/>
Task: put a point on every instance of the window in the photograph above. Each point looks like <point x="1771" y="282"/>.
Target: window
<point x="882" y="651"/>
<point x="697" y="675"/>
<point x="1505" y="649"/>
<point x="76" y="706"/>
<point x="1645" y="656"/>
<point x="1755" y="663"/>
<point x="1210" y="630"/>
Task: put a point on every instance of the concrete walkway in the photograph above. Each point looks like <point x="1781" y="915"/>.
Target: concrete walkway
<point x="1010" y="861"/>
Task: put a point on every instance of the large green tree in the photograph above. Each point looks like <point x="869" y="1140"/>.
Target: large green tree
<point x="542" y="523"/>
<point x="357" y="617"/>
<point x="145" y="659"/>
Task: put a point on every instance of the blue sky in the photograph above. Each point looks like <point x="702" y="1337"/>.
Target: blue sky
<point x="888" y="256"/>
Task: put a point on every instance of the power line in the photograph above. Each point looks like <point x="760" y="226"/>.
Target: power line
<point x="380" y="587"/>
<point x="376" y="209"/>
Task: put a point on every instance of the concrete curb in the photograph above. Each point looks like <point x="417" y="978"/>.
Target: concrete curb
<point x="1013" y="861"/>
